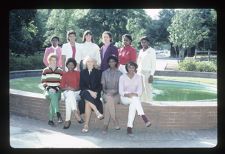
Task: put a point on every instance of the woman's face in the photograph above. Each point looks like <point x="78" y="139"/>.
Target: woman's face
<point x="144" y="44"/>
<point x="72" y="38"/>
<point x="55" y="42"/>
<point x="131" y="69"/>
<point x="90" y="63"/>
<point x="112" y="63"/>
<point x="88" y="38"/>
<point x="70" y="66"/>
<point x="126" y="41"/>
<point x="105" y="38"/>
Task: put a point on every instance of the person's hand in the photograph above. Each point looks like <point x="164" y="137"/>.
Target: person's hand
<point x="93" y="94"/>
<point x="129" y="95"/>
<point x="150" y="79"/>
<point x="52" y="90"/>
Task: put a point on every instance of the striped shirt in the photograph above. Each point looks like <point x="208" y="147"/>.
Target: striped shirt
<point x="51" y="78"/>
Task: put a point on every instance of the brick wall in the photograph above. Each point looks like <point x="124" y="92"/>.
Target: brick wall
<point x="162" y="117"/>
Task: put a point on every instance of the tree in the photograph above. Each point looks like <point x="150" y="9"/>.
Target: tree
<point x="22" y="31"/>
<point x="187" y="28"/>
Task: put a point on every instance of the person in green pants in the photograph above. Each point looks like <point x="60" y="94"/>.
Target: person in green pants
<point x="51" y="77"/>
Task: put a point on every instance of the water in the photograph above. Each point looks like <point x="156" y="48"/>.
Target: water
<point x="182" y="91"/>
<point x="163" y="90"/>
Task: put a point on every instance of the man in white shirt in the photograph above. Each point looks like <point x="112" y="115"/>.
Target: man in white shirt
<point x="146" y="67"/>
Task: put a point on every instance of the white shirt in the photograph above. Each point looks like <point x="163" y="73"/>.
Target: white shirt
<point x="147" y="60"/>
<point x="130" y="85"/>
<point x="68" y="51"/>
<point x="92" y="50"/>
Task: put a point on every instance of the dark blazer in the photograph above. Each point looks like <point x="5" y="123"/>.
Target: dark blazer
<point x="92" y="81"/>
<point x="111" y="50"/>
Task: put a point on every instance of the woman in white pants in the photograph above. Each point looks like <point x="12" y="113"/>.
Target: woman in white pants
<point x="130" y="89"/>
<point x="70" y="84"/>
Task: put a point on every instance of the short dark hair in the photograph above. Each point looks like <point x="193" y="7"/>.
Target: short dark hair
<point x="109" y="33"/>
<point x="54" y="37"/>
<point x="113" y="57"/>
<point x="128" y="36"/>
<point x="145" y="38"/>
<point x="69" y="33"/>
<point x="131" y="64"/>
<point x="86" y="33"/>
<point x="71" y="60"/>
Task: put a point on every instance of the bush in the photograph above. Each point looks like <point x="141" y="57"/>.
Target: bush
<point x="21" y="62"/>
<point x="190" y="64"/>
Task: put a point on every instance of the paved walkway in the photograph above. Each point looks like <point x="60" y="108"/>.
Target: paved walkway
<point x="31" y="133"/>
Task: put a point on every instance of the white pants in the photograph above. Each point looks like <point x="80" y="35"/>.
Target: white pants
<point x="135" y="105"/>
<point x="71" y="98"/>
<point x="147" y="87"/>
<point x="122" y="69"/>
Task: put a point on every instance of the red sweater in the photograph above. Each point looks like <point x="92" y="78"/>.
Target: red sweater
<point x="70" y="79"/>
<point x="127" y="54"/>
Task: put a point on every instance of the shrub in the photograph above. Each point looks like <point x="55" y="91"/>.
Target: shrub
<point x="190" y="64"/>
<point x="21" y="62"/>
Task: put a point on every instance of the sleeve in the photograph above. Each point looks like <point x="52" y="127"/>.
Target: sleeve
<point x="82" y="81"/>
<point x="64" y="49"/>
<point x="60" y="57"/>
<point x="78" y="79"/>
<point x="45" y="57"/>
<point x="115" y="51"/>
<point x="79" y="51"/>
<point x="103" y="82"/>
<point x="133" y="55"/>
<point x="97" y="55"/>
<point x="121" y="88"/>
<point x="63" y="82"/>
<point x="43" y="79"/>
<point x="153" y="61"/>
<point x="139" y="89"/>
<point x="99" y="87"/>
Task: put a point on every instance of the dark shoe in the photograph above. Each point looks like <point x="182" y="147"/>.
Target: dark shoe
<point x="59" y="117"/>
<point x="147" y="122"/>
<point x="67" y="124"/>
<point x="80" y="121"/>
<point x="129" y="132"/>
<point x="51" y="123"/>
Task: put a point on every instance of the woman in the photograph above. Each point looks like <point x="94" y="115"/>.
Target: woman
<point x="130" y="89"/>
<point x="110" y="86"/>
<point x="72" y="49"/>
<point x="89" y="48"/>
<point x="147" y="65"/>
<point x="70" y="85"/>
<point x="90" y="85"/>
<point x="51" y="77"/>
<point x="127" y="53"/>
<point x="53" y="49"/>
<point x="107" y="49"/>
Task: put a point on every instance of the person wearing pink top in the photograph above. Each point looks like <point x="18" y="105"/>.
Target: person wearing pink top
<point x="53" y="49"/>
<point x="130" y="90"/>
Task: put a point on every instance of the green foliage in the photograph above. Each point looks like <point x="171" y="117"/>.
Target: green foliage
<point x="189" y="64"/>
<point x="22" y="62"/>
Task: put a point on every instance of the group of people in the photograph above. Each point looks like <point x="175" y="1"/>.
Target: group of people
<point x="88" y="75"/>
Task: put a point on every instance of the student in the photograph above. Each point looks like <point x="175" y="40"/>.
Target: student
<point x="70" y="85"/>
<point x="72" y="49"/>
<point x="110" y="86"/>
<point x="90" y="85"/>
<point x="127" y="53"/>
<point x="146" y="67"/>
<point x="53" y="49"/>
<point x="89" y="48"/>
<point x="130" y="89"/>
<point x="107" y="49"/>
<point x="51" y="77"/>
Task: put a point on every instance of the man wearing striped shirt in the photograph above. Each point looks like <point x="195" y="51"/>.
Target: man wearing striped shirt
<point x="51" y="77"/>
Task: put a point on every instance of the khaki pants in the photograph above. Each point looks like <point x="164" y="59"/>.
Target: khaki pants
<point x="110" y="109"/>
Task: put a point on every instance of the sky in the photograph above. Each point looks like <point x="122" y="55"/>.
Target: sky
<point x="153" y="13"/>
